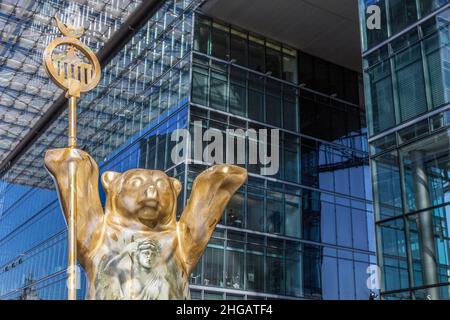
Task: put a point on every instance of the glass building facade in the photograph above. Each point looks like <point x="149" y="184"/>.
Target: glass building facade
<point x="406" y="77"/>
<point x="306" y="232"/>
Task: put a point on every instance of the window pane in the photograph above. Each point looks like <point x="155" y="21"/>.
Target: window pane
<point x="330" y="286"/>
<point x="346" y="275"/>
<point x="256" y="54"/>
<point x="402" y="14"/>
<point x="161" y="152"/>
<point x="322" y="79"/>
<point x="306" y="70"/>
<point x="428" y="6"/>
<point x="255" y="268"/>
<point x="234" y="276"/>
<point x="235" y="211"/>
<point x="312" y="275"/>
<point x="410" y="83"/>
<point x="255" y="209"/>
<point x="309" y="163"/>
<point x="291" y="158"/>
<point x="218" y="90"/>
<point x="196" y="275"/>
<point x="200" y="86"/>
<point x="351" y="87"/>
<point x="273" y="103"/>
<point x="386" y="184"/>
<point x="339" y="123"/>
<point x="290" y="109"/>
<point x="316" y="117"/>
<point x="343" y="221"/>
<point x="273" y="61"/>
<point x="311" y="221"/>
<point x="372" y="37"/>
<point x="337" y="81"/>
<point x="357" y="188"/>
<point x="436" y="48"/>
<point x="341" y="176"/>
<point x="293" y="216"/>
<point x="274" y="212"/>
<point x="213" y="296"/>
<point x="213" y="259"/>
<point x="255" y="98"/>
<point x="220" y="42"/>
<point x="293" y="270"/>
<point x="328" y="222"/>
<point x="359" y="229"/>
<point x="196" y="295"/>
<point x="379" y="100"/>
<point x="238" y="91"/>
<point x="426" y="172"/>
<point x="238" y="48"/>
<point x="275" y="268"/>
<point x="393" y="255"/>
<point x="290" y="68"/>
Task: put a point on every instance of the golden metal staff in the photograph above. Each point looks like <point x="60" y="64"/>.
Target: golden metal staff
<point x="74" y="68"/>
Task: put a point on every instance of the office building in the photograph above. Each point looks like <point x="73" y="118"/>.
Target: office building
<point x="406" y="77"/>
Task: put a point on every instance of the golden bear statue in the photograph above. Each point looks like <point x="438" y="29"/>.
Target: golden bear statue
<point x="136" y="249"/>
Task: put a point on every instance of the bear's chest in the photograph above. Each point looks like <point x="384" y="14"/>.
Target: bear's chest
<point x="137" y="266"/>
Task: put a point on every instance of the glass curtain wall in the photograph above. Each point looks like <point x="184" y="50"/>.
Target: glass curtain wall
<point x="408" y="76"/>
<point x="411" y="207"/>
<point x="395" y="16"/>
<point x="406" y="84"/>
<point x="309" y="233"/>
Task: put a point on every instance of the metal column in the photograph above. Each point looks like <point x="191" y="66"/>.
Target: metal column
<point x="425" y="223"/>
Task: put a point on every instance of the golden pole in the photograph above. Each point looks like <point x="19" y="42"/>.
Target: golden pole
<point x="72" y="122"/>
<point x="71" y="72"/>
<point x="72" y="221"/>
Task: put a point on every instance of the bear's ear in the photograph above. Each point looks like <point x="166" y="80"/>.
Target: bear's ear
<point x="176" y="184"/>
<point x="108" y="180"/>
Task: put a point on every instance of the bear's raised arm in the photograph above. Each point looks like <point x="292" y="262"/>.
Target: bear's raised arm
<point x="211" y="192"/>
<point x="89" y="208"/>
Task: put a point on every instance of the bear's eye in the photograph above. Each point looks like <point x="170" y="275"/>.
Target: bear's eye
<point x="161" y="184"/>
<point x="135" y="182"/>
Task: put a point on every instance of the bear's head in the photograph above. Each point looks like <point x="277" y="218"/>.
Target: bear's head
<point x="145" y="196"/>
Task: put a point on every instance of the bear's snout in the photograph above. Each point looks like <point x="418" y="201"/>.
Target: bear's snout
<point x="151" y="193"/>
